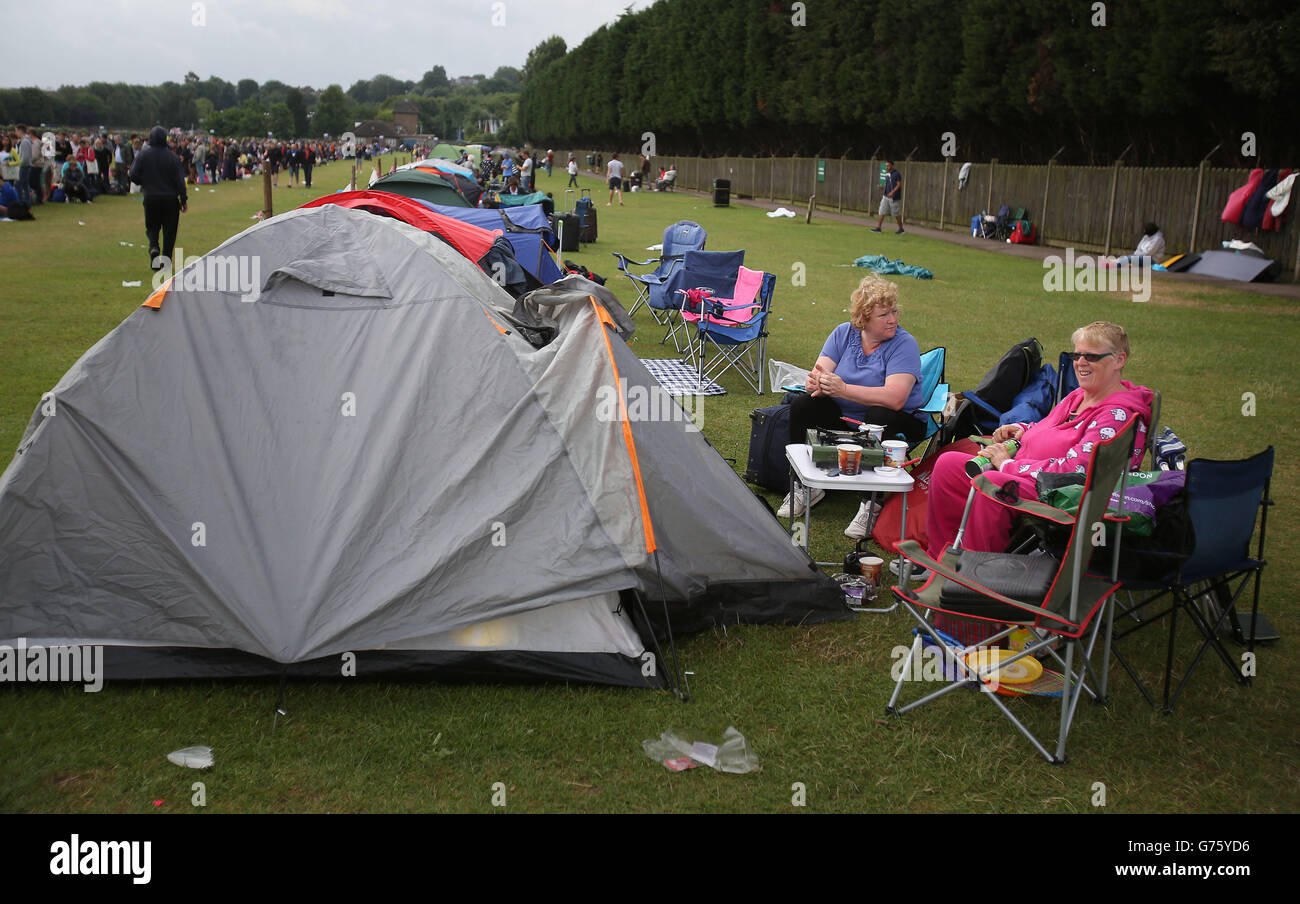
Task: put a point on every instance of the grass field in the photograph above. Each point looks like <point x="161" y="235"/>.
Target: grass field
<point x="810" y="700"/>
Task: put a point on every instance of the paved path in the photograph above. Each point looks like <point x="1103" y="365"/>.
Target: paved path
<point x="1035" y="252"/>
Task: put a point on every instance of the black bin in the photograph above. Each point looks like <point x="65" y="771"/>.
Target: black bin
<point x="721" y="192"/>
<point x="591" y="160"/>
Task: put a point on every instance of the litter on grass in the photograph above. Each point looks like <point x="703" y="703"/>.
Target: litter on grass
<point x="884" y="265"/>
<point x="781" y="212"/>
<point x="732" y="755"/>
<point x="194" y="757"/>
<point x="658" y="247"/>
<point x="131" y="284"/>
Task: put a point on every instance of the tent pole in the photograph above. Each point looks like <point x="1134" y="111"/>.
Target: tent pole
<point x="674" y="682"/>
<point x="672" y="641"/>
<point x="279" y="698"/>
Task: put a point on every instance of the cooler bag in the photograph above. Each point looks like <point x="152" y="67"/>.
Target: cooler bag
<point x="768" y="436"/>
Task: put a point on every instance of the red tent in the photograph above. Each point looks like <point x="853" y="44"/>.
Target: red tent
<point x="471" y="241"/>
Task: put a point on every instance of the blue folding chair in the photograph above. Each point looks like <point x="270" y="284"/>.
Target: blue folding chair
<point x="679" y="238"/>
<point x="934" y="390"/>
<point x="736" y="327"/>
<point x="1223" y="500"/>
<point x="712" y="270"/>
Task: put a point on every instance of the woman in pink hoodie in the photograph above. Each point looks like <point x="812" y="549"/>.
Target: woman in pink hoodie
<point x="1061" y="442"/>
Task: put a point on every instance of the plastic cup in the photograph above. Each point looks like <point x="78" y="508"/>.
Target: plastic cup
<point x="850" y="458"/>
<point x="877" y="431"/>
<point x="895" y="452"/>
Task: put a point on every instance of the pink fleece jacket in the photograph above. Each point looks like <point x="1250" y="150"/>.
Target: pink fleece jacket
<point x="1062" y="442"/>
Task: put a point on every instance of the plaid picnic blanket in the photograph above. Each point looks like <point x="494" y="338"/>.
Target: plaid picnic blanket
<point x="679" y="378"/>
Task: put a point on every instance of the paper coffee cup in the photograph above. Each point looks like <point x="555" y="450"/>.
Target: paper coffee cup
<point x="871" y="567"/>
<point x="876" y="430"/>
<point x="850" y="458"/>
<point x="895" y="452"/>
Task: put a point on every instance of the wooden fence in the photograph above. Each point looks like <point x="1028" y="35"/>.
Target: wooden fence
<point x="1093" y="208"/>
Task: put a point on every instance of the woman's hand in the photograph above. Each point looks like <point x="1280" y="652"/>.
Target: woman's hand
<point x="830" y="384"/>
<point x="811" y="383"/>
<point x="997" y="454"/>
<point x="1006" y="432"/>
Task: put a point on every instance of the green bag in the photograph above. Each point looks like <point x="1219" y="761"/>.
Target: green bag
<point x="1065" y="490"/>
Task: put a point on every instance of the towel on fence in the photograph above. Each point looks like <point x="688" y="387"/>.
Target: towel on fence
<point x="885" y="266"/>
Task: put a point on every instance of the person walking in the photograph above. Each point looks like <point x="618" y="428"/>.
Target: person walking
<point x="161" y="178"/>
<point x="24" y="166"/>
<point x="891" y="202"/>
<point x="573" y="172"/>
<point x="614" y="172"/>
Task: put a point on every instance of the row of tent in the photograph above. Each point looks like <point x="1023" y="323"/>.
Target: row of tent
<point x="377" y="449"/>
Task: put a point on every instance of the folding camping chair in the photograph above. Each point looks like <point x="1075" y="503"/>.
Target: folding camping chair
<point x="679" y="238"/>
<point x="714" y="271"/>
<point x="1056" y="598"/>
<point x="1222" y="501"/>
<point x="737" y="329"/>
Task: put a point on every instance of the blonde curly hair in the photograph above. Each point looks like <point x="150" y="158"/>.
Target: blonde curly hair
<point x="873" y="292"/>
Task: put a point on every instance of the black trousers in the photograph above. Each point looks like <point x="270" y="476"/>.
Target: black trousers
<point x="808" y="411"/>
<point x="162" y="213"/>
<point x="306" y="174"/>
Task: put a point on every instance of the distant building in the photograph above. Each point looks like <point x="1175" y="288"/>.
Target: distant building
<point x="406" y="116"/>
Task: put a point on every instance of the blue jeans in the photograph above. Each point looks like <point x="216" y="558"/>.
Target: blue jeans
<point x="24" y="185"/>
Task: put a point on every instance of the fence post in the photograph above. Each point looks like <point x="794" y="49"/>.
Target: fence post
<point x="943" y="197"/>
<point x="871" y="186"/>
<point x="793" y="168"/>
<point x="771" y="181"/>
<point x="841" y="188"/>
<point x="1042" y="211"/>
<point x="1196" y="207"/>
<point x="902" y="208"/>
<point x="267" y="212"/>
<point x="1110" y="214"/>
<point x="988" y="202"/>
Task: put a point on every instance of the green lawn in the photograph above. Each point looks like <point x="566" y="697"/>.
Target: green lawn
<point x="810" y="700"/>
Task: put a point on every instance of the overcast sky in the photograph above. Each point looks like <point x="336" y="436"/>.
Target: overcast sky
<point x="299" y="42"/>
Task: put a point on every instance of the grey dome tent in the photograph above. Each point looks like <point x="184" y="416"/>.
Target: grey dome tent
<point x="359" y="452"/>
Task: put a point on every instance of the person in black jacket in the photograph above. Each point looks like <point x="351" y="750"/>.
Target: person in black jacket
<point x="161" y="179"/>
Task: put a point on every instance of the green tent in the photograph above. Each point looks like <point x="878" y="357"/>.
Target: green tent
<point x="447" y="152"/>
<point x="421" y="186"/>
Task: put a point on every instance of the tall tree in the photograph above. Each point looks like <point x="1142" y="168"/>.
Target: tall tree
<point x="541" y="56"/>
<point x="298" y="110"/>
<point x="333" y="116"/>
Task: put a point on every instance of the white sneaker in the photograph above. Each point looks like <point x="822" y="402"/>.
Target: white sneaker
<point x="795" y="509"/>
<point x="918" y="573"/>
<point x="857" y="528"/>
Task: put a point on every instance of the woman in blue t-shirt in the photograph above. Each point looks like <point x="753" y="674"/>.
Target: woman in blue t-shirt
<point x="869" y="370"/>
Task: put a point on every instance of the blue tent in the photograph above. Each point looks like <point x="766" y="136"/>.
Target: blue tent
<point x="526" y="229"/>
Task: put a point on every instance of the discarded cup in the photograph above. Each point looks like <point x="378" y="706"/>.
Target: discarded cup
<point x="850" y="458"/>
<point x="194" y="757"/>
<point x="876" y="430"/>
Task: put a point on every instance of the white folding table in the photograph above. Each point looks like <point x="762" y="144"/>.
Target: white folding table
<point x="809" y="476"/>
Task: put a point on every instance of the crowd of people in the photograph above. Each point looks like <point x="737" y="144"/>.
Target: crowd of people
<point x="71" y="166"/>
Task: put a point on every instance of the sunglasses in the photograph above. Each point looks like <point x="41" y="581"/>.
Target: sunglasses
<point x="1090" y="357"/>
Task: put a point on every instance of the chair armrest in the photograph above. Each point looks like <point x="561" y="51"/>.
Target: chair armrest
<point x="1032" y="507"/>
<point x="624" y="262"/>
